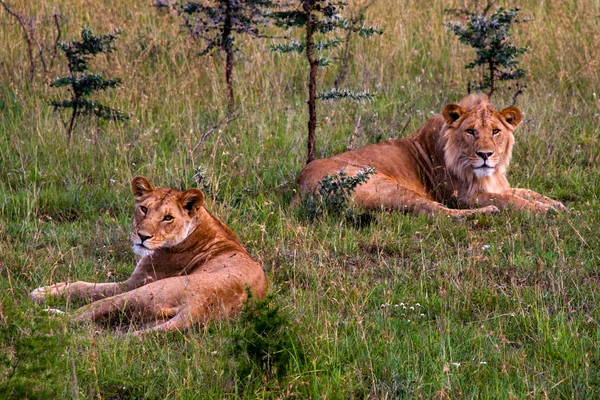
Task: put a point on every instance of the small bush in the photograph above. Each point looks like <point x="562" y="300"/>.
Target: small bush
<point x="83" y="84"/>
<point x="334" y="192"/>
<point x="267" y="344"/>
<point x="491" y="38"/>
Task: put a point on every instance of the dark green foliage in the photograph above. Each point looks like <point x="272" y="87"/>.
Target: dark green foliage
<point x="345" y="94"/>
<point x="82" y="84"/>
<point x="218" y="22"/>
<point x="325" y="16"/>
<point x="267" y="344"/>
<point x="208" y="22"/>
<point x="318" y="18"/>
<point x="496" y="54"/>
<point x="334" y="192"/>
<point x="31" y="353"/>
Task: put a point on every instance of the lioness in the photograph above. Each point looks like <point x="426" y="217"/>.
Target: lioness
<point x="454" y="165"/>
<point x="193" y="268"/>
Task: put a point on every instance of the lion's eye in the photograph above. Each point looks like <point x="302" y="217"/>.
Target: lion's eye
<point x="470" y="131"/>
<point x="495" y="132"/>
<point x="168" y="218"/>
<point x="144" y="210"/>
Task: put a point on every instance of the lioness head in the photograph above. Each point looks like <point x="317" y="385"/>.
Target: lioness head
<point x="479" y="139"/>
<point x="163" y="217"/>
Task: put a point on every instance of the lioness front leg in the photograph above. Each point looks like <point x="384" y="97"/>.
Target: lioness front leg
<point x="79" y="290"/>
<point x="531" y="195"/>
<point x="171" y="304"/>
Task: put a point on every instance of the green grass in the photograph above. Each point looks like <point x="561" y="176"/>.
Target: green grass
<point x="501" y="306"/>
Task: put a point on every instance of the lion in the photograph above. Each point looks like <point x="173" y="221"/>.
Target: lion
<point x="453" y="165"/>
<point x="192" y="267"/>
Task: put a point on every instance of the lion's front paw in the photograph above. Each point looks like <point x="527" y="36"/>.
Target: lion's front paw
<point x="552" y="207"/>
<point x="558" y="206"/>
<point x="541" y="208"/>
<point x="489" y="210"/>
<point x="39" y="295"/>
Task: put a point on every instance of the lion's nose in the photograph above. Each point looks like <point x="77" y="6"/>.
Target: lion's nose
<point x="144" y="237"/>
<point x="485" y="154"/>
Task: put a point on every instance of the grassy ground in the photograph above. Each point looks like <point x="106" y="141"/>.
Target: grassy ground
<point x="501" y="306"/>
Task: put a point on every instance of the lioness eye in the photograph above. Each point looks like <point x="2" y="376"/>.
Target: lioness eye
<point x="470" y="131"/>
<point x="168" y="218"/>
<point x="144" y="210"/>
<point x="495" y="131"/>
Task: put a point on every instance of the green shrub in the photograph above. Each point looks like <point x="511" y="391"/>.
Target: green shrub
<point x="496" y="54"/>
<point x="267" y="343"/>
<point x="333" y="193"/>
<point x="83" y="84"/>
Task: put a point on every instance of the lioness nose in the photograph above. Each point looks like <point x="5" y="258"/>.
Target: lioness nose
<point x="144" y="237"/>
<point x="485" y="154"/>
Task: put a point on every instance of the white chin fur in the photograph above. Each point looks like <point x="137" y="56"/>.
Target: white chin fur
<point x="141" y="251"/>
<point x="483" y="172"/>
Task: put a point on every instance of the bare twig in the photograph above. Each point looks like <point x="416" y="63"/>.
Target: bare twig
<point x="354" y="20"/>
<point x="30" y="34"/>
<point x="26" y="34"/>
<point x="56" y="17"/>
<point x="355" y="134"/>
<point x="39" y="47"/>
<point x="405" y="126"/>
<point x="518" y="93"/>
<point x="231" y="116"/>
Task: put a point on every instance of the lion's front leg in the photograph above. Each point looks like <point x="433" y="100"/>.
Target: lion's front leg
<point x="79" y="290"/>
<point x="509" y="200"/>
<point x="531" y="195"/>
<point x="385" y="193"/>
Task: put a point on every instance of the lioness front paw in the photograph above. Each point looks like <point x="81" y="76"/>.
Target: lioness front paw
<point x="39" y="295"/>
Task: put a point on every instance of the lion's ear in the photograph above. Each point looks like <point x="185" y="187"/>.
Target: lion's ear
<point x="512" y="115"/>
<point x="453" y="112"/>
<point x="191" y="200"/>
<point x="140" y="187"/>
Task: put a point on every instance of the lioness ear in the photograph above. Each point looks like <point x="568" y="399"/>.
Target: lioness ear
<point x="140" y="186"/>
<point x="452" y="112"/>
<point x="512" y="115"/>
<point x="191" y="200"/>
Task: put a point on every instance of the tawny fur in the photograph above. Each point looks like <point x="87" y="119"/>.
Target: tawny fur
<point x="193" y="267"/>
<point x="454" y="165"/>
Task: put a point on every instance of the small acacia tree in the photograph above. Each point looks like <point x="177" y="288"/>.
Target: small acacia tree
<point x="321" y="20"/>
<point x="81" y="83"/>
<point x="218" y="22"/>
<point x="490" y="35"/>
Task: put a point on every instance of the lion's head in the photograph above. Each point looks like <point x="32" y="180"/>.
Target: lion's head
<point x="163" y="217"/>
<point x="479" y="139"/>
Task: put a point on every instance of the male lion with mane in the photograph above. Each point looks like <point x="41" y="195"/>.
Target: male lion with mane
<point x="192" y="267"/>
<point x="454" y="165"/>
